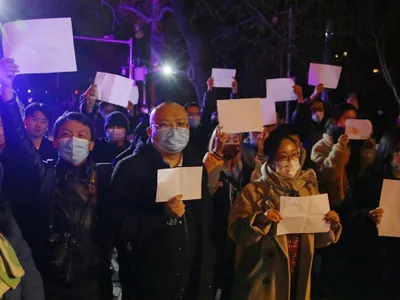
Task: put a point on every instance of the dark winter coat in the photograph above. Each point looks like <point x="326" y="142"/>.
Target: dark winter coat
<point x="168" y="261"/>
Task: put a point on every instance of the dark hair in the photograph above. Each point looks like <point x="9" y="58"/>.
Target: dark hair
<point x="74" y="116"/>
<point x="334" y="131"/>
<point x="103" y="104"/>
<point x="273" y="142"/>
<point x="34" y="107"/>
<point x="388" y="145"/>
<point x="318" y="99"/>
<point x="340" y="109"/>
<point x="281" y="109"/>
<point x="191" y="104"/>
<point x="352" y="95"/>
<point x="287" y="129"/>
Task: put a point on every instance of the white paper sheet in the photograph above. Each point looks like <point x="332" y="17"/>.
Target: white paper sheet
<point x="303" y="214"/>
<point x="223" y="77"/>
<point x="240" y="115"/>
<point x="134" y="95"/>
<point x="268" y="111"/>
<point x="390" y="224"/>
<point x="115" y="89"/>
<point x="328" y="75"/>
<point x="40" y="46"/>
<point x="358" y="129"/>
<point x="186" y="181"/>
<point x="280" y="89"/>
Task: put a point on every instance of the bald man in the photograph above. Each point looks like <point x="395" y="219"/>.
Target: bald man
<point x="169" y="254"/>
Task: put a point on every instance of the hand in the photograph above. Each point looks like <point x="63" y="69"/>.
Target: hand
<point x="272" y="215"/>
<point x="376" y="215"/>
<point x="175" y="207"/>
<point x="260" y="138"/>
<point x="220" y="141"/>
<point x="235" y="86"/>
<point x="210" y="84"/>
<point x="370" y="144"/>
<point x="8" y="71"/>
<point x="130" y="106"/>
<point x="318" y="90"/>
<point x="92" y="94"/>
<point x="344" y="140"/>
<point x="333" y="218"/>
<point x="298" y="90"/>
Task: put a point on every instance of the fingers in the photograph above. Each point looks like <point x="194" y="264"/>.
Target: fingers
<point x="274" y="215"/>
<point x="176" y="207"/>
<point x="332" y="216"/>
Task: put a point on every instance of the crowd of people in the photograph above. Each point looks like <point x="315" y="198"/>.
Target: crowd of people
<point x="67" y="203"/>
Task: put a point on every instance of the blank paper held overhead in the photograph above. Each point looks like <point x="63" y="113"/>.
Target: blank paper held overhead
<point x="40" y="46"/>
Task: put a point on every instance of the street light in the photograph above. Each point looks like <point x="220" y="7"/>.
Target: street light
<point x="375" y="71"/>
<point x="167" y="70"/>
<point x="345" y="54"/>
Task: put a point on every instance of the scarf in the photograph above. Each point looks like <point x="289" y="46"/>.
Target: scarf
<point x="11" y="270"/>
<point x="304" y="183"/>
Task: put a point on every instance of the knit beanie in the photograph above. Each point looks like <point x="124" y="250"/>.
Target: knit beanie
<point x="116" y="118"/>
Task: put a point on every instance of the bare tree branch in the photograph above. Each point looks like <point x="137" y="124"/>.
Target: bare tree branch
<point x="105" y="3"/>
<point x="148" y="19"/>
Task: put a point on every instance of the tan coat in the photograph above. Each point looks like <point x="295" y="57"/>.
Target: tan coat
<point x="263" y="271"/>
<point x="331" y="160"/>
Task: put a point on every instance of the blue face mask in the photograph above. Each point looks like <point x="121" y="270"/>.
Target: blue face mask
<point x="194" y="122"/>
<point x="74" y="150"/>
<point x="171" y="140"/>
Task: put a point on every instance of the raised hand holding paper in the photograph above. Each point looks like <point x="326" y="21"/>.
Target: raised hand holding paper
<point x="280" y="89"/>
<point x="223" y="78"/>
<point x="390" y="224"/>
<point x="240" y="115"/>
<point x="115" y="89"/>
<point x="358" y="129"/>
<point x="185" y="181"/>
<point x="303" y="214"/>
<point x="328" y="75"/>
<point x="40" y="46"/>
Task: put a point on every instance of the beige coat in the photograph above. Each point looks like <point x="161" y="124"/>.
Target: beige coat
<point x="331" y="159"/>
<point x="263" y="271"/>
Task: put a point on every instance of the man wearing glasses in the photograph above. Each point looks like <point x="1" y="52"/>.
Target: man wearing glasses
<point x="165" y="248"/>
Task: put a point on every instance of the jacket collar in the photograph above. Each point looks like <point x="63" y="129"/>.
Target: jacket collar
<point x="328" y="139"/>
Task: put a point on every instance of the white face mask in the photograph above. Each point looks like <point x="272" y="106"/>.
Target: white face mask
<point x="116" y="135"/>
<point x="74" y="150"/>
<point x="288" y="168"/>
<point x="318" y="116"/>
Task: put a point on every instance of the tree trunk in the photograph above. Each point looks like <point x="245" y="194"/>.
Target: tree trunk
<point x="200" y="59"/>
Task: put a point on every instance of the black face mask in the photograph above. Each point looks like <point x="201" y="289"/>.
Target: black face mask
<point x="231" y="151"/>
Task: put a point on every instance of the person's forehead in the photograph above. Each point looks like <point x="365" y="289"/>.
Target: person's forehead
<point x="75" y="126"/>
<point x="193" y="109"/>
<point x="349" y="113"/>
<point x="287" y="145"/>
<point x="38" y="114"/>
<point x="234" y="137"/>
<point x="170" y="112"/>
<point x="318" y="104"/>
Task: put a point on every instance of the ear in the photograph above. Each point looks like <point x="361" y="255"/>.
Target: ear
<point x="56" y="144"/>
<point x="91" y="146"/>
<point x="149" y="131"/>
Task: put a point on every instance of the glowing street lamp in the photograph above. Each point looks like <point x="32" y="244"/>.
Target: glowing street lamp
<point x="167" y="70"/>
